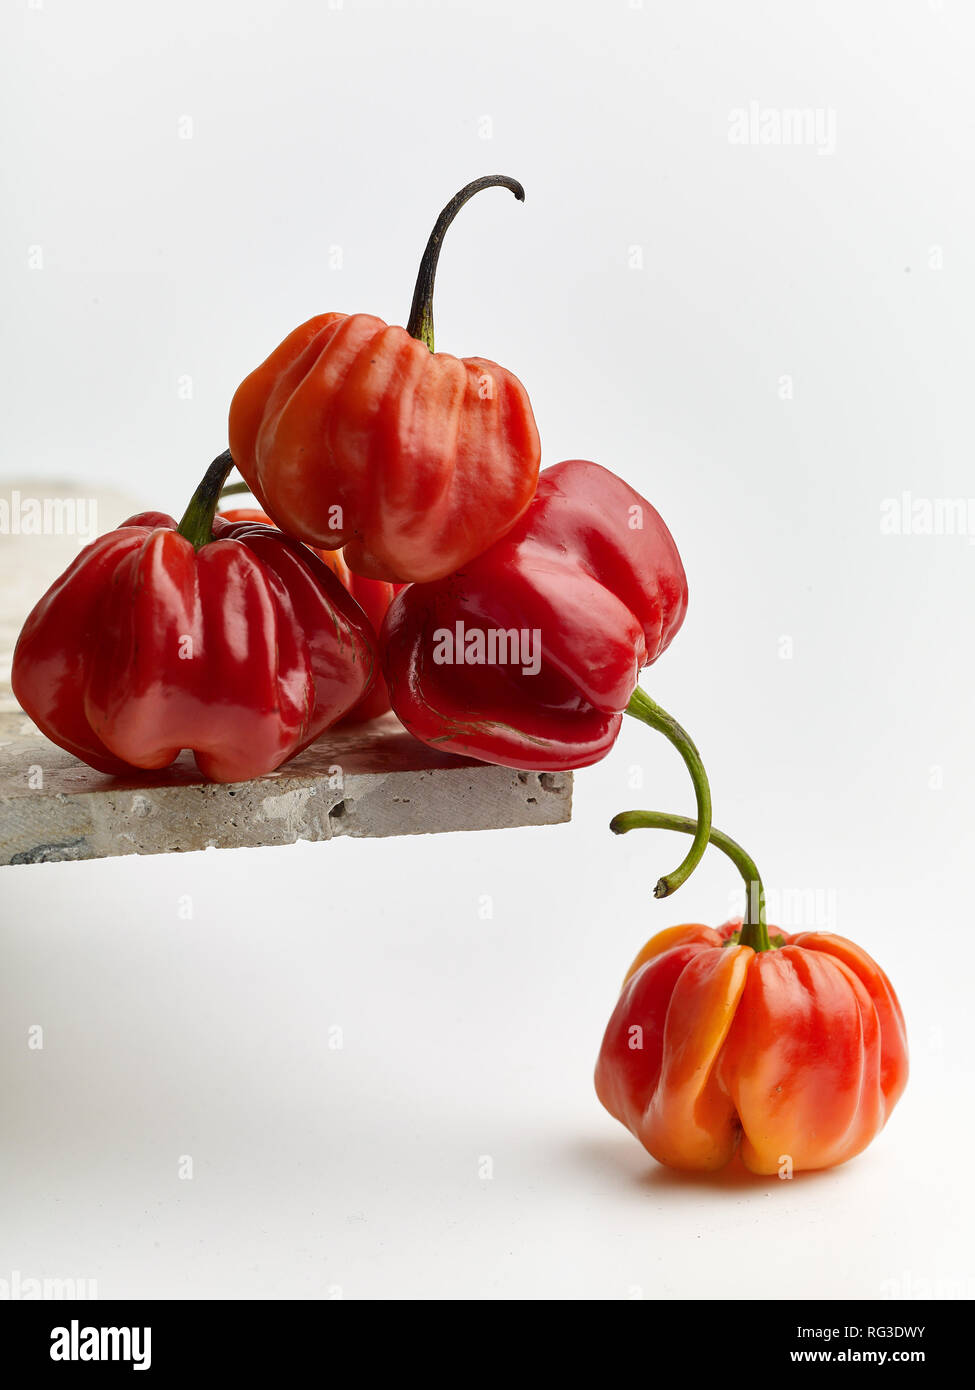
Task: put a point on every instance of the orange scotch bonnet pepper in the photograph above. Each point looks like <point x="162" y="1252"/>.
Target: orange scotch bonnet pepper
<point x="789" y="1050"/>
<point x="356" y="434"/>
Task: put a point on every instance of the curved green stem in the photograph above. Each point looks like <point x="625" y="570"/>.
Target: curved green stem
<point x="232" y="489"/>
<point x="420" y="323"/>
<point x="643" y="708"/>
<point x="754" y="930"/>
<point x="197" y="522"/>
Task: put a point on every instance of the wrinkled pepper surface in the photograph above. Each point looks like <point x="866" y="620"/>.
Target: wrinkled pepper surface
<point x="372" y="595"/>
<point x="790" y="1050"/>
<point x="529" y="655"/>
<point x="356" y="434"/>
<point x="232" y="640"/>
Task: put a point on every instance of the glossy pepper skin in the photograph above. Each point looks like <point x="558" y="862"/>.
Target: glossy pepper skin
<point x="372" y="595"/>
<point x="244" y="650"/>
<point x="798" y="1052"/>
<point x="591" y="569"/>
<point x="356" y="434"/>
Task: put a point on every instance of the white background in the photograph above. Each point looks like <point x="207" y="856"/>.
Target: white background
<point x="845" y="768"/>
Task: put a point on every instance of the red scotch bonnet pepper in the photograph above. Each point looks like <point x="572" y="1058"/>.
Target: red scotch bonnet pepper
<point x="528" y="656"/>
<point x="233" y="640"/>
<point x="356" y="434"/>
<point x="372" y="595"/>
<point x="584" y="591"/>
<point x="787" y="1050"/>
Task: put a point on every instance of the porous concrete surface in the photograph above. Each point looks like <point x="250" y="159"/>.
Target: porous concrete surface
<point x="364" y="780"/>
<point x="369" y="780"/>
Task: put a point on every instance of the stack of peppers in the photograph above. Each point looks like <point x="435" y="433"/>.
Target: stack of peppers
<point x="409" y="554"/>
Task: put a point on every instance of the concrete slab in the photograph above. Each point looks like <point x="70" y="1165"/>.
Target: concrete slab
<point x="366" y="780"/>
<point x="370" y="780"/>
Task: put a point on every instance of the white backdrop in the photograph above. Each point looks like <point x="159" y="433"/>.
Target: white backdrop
<point x="771" y="338"/>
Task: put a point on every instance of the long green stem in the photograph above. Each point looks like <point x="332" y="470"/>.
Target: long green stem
<point x="754" y="930"/>
<point x="643" y="708"/>
<point x="232" y="489"/>
<point x="420" y="323"/>
<point x="197" y="522"/>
